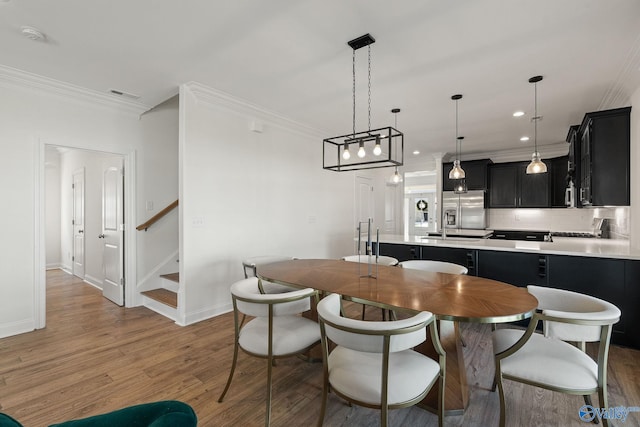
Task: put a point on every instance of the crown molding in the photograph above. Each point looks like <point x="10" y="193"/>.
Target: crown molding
<point x="519" y="154"/>
<point x="14" y="77"/>
<point x="618" y="94"/>
<point x="210" y="97"/>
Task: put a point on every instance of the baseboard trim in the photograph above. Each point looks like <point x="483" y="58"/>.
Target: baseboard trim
<point x="16" y="328"/>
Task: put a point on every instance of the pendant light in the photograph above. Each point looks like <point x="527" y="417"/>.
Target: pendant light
<point x="536" y="165"/>
<point x="374" y="148"/>
<point x="396" y="177"/>
<point x="460" y="186"/>
<point x="457" y="172"/>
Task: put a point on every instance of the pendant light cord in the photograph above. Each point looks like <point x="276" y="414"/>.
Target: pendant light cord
<point x="354" y="92"/>
<point x="457" y="140"/>
<point x="369" y="48"/>
<point x="535" y="116"/>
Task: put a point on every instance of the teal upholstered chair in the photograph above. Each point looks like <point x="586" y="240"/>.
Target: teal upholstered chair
<point x="169" y="413"/>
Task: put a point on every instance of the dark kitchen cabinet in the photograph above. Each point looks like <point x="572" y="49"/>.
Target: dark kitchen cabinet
<point x="599" y="277"/>
<point x="400" y="252"/>
<point x="630" y="311"/>
<point x="460" y="256"/>
<point x="511" y="187"/>
<point x="514" y="268"/>
<point x="558" y="170"/>
<point x="604" y="164"/>
<point x="475" y="174"/>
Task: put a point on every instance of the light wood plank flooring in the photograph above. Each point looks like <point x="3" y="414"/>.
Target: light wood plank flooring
<point x="94" y="357"/>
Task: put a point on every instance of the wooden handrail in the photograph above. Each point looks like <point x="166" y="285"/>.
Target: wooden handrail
<point x="157" y="217"/>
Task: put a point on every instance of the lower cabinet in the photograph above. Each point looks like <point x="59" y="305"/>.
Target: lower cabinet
<point x="631" y="305"/>
<point x="400" y="252"/>
<point x="613" y="280"/>
<point x="514" y="268"/>
<point x="460" y="256"/>
<point x="602" y="278"/>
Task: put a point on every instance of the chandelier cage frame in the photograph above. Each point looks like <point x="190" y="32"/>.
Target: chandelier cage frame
<point x="387" y="141"/>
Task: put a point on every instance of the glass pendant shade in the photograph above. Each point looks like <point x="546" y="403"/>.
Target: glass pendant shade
<point x="396" y="178"/>
<point x="456" y="172"/>
<point x="536" y="165"/>
<point x="460" y="187"/>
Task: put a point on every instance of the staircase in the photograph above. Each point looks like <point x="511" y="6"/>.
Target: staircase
<point x="163" y="300"/>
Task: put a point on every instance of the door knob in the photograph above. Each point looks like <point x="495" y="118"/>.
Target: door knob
<point x="100" y="236"/>
<point x="80" y="231"/>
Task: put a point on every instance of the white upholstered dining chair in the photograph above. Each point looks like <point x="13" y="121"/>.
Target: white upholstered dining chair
<point x="547" y="360"/>
<point x="373" y="364"/>
<point x="435" y="266"/>
<point x="438" y="267"/>
<point x="277" y="329"/>
<point x="365" y="259"/>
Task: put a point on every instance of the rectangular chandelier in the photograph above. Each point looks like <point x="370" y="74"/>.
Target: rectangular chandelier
<point x="362" y="147"/>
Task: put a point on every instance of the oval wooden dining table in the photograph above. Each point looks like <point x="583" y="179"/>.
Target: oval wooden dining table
<point x="451" y="297"/>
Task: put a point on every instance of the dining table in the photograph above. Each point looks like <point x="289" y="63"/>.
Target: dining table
<point x="452" y="298"/>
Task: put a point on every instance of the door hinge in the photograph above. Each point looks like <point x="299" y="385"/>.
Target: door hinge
<point x="73" y="186"/>
<point x="122" y="281"/>
<point x="73" y="258"/>
<point x="73" y="222"/>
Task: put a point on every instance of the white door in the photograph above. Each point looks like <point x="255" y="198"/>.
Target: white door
<point x="77" y="260"/>
<point x="113" y="230"/>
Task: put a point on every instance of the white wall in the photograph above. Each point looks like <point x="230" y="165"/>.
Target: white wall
<point x="32" y="114"/>
<point x="158" y="184"/>
<point x="52" y="207"/>
<point x="244" y="193"/>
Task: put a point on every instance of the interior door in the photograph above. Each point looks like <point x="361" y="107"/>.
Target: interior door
<point x="113" y="230"/>
<point x="77" y="221"/>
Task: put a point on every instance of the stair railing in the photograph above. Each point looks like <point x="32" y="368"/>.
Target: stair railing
<point x="157" y="216"/>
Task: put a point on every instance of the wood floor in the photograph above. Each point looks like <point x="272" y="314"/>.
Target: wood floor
<point x="95" y="357"/>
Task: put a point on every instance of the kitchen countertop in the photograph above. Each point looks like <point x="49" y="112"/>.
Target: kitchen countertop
<point x="575" y="246"/>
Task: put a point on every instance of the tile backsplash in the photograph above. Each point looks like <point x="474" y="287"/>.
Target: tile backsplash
<point x="616" y="224"/>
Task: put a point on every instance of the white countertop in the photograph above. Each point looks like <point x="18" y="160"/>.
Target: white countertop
<point x="602" y="248"/>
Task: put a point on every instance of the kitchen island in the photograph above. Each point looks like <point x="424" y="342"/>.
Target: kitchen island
<point x="607" y="269"/>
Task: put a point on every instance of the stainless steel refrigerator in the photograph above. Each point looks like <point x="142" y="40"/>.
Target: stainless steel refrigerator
<point x="465" y="210"/>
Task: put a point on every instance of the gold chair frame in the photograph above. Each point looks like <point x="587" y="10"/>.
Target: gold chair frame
<point x="603" y="357"/>
<point x="270" y="356"/>
<point x="384" y="406"/>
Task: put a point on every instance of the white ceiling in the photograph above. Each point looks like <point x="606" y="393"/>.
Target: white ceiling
<point x="291" y="57"/>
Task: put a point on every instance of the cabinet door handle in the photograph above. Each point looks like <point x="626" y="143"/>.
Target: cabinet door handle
<point x="530" y="237"/>
<point x="471" y="265"/>
<point x="542" y="266"/>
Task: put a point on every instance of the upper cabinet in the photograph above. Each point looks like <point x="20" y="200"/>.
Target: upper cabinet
<point x="511" y="187"/>
<point x="559" y="174"/>
<point x="604" y="158"/>
<point x="475" y="174"/>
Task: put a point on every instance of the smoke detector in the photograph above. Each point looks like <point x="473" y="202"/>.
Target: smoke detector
<point x="32" y="33"/>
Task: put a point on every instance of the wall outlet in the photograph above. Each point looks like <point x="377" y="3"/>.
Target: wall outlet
<point x="149" y="205"/>
<point x="197" y="222"/>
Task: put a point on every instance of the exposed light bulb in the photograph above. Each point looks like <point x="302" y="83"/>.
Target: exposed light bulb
<point x="361" y="152"/>
<point x="396" y="177"/>
<point x="377" y="150"/>
<point x="345" y="153"/>
<point x="518" y="114"/>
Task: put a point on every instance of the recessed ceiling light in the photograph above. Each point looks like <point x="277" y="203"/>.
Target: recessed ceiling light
<point x="524" y="138"/>
<point x="32" y="33"/>
<point x="518" y="114"/>
<point x="416" y="152"/>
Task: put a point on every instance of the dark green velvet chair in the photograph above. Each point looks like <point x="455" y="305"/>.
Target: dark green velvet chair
<point x="169" y="413"/>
